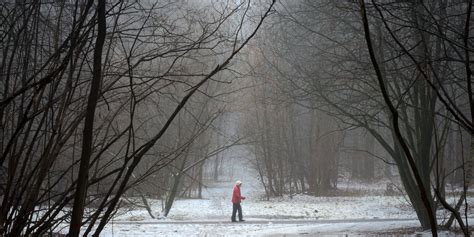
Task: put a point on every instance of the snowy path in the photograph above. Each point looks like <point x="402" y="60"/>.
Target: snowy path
<point x="258" y="228"/>
<point x="274" y="228"/>
<point x="251" y="222"/>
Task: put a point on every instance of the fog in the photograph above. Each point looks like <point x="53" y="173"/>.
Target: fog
<point x="146" y="118"/>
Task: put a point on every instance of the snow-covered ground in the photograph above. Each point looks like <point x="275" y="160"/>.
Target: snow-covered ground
<point x="367" y="212"/>
<point x="285" y="216"/>
<point x="218" y="207"/>
<point x="329" y="229"/>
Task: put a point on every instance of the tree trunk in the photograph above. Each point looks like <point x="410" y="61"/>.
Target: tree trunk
<point x="87" y="137"/>
<point x="172" y="194"/>
<point x="395" y="123"/>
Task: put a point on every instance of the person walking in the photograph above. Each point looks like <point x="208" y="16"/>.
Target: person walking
<point x="236" y="199"/>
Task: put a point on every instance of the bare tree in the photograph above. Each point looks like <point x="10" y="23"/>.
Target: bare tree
<point x="319" y="64"/>
<point x="125" y="57"/>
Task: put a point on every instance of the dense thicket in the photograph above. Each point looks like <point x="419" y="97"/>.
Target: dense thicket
<point x="99" y="98"/>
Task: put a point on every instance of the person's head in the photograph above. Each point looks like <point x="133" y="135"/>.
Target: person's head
<point x="238" y="183"/>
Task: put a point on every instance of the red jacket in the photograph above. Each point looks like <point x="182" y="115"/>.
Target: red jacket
<point x="236" y="197"/>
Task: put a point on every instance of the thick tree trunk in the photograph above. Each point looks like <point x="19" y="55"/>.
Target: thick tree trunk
<point x="395" y="123"/>
<point x="414" y="196"/>
<point x="82" y="180"/>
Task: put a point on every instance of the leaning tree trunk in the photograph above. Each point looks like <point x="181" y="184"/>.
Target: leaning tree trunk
<point x="395" y="123"/>
<point x="172" y="194"/>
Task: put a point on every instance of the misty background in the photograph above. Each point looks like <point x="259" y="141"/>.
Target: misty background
<point x="108" y="106"/>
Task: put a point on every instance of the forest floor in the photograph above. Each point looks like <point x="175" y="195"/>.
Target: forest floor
<point x="364" y="209"/>
<point x="354" y="209"/>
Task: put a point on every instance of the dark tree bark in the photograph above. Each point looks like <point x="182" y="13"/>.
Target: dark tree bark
<point x="87" y="136"/>
<point x="421" y="187"/>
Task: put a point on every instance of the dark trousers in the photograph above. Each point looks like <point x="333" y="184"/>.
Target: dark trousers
<point x="236" y="207"/>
